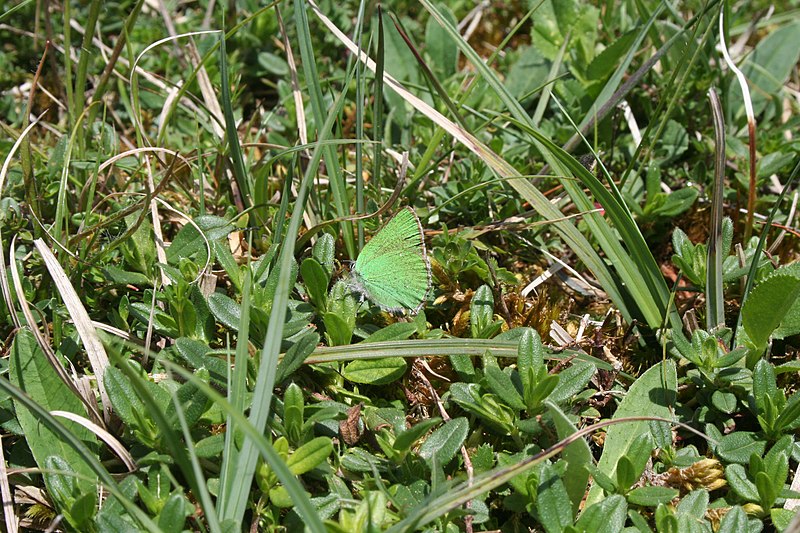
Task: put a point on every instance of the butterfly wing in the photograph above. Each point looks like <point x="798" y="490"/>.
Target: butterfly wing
<point x="393" y="269"/>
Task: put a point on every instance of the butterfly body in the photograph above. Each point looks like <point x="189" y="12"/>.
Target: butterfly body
<point x="393" y="270"/>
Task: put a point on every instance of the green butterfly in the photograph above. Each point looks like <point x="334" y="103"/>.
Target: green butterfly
<point x="393" y="269"/>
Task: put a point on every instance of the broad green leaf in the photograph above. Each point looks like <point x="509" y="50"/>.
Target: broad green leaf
<point x="652" y="496"/>
<point x="500" y="383"/>
<point x="734" y="521"/>
<point x="445" y="442"/>
<point x="769" y="65"/>
<point x="606" y="515"/>
<point x="375" y="371"/>
<point x="393" y="332"/>
<point x="694" y="504"/>
<point x="310" y="455"/>
<point x="31" y="371"/>
<point x="650" y="395"/>
<point x="173" y="514"/>
<point x="571" y="381"/>
<point x="577" y="455"/>
<point x="739" y="445"/>
<point x="316" y="281"/>
<point x="193" y="244"/>
<point x="741" y="485"/>
<point x="767" y="306"/>
<point x="552" y="502"/>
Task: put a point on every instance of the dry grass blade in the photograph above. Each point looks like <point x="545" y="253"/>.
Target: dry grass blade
<point x="203" y="80"/>
<point x="12" y="525"/>
<point x="751" y="123"/>
<point x="44" y="344"/>
<point x="107" y="437"/>
<point x="91" y="341"/>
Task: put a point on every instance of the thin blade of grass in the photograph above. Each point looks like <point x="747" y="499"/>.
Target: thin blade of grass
<point x="573" y="238"/>
<point x="332" y="166"/>
<point x="91" y="459"/>
<point x="234" y="507"/>
<point x="715" y="311"/>
<point x="91" y="342"/>
<point x="303" y="506"/>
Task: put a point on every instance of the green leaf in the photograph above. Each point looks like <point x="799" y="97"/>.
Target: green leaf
<point x="666" y="521"/>
<point x="543" y="389"/>
<point x="338" y="331"/>
<point x="577" y="455"/>
<point x="626" y="473"/>
<point x="734" y="521"/>
<point x="406" y="439"/>
<point x="764" y="384"/>
<point x="639" y="452"/>
<point x="393" y="332"/>
<point x="571" y="381"/>
<point x="190" y="243"/>
<point x="781" y="518"/>
<point x="173" y="515"/>
<point x="500" y="383"/>
<point x="375" y="371"/>
<point x="124" y="277"/>
<point x="737" y="479"/>
<point x="606" y="515"/>
<point x="324" y="252"/>
<point x="293" y="407"/>
<point x="310" y="455"/>
<point x="445" y="441"/>
<point x="776" y="461"/>
<point x="552" y="502"/>
<point x="739" y="445"/>
<point x="769" y="65"/>
<point x="192" y="400"/>
<point x="122" y="395"/>
<point x="31" y="371"/>
<point x="603" y="64"/>
<point x="767" y="491"/>
<point x="530" y="356"/>
<point x="295" y="355"/>
<point x="767" y="306"/>
<point x="650" y="395"/>
<point x="725" y="401"/>
<point x="481" y="312"/>
<point x="196" y="353"/>
<point x="652" y="496"/>
<point x="789" y="414"/>
<point x="441" y="49"/>
<point x="694" y="504"/>
<point x="316" y="281"/>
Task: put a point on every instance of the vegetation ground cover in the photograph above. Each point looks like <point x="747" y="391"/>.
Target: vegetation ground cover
<point x="607" y="201"/>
